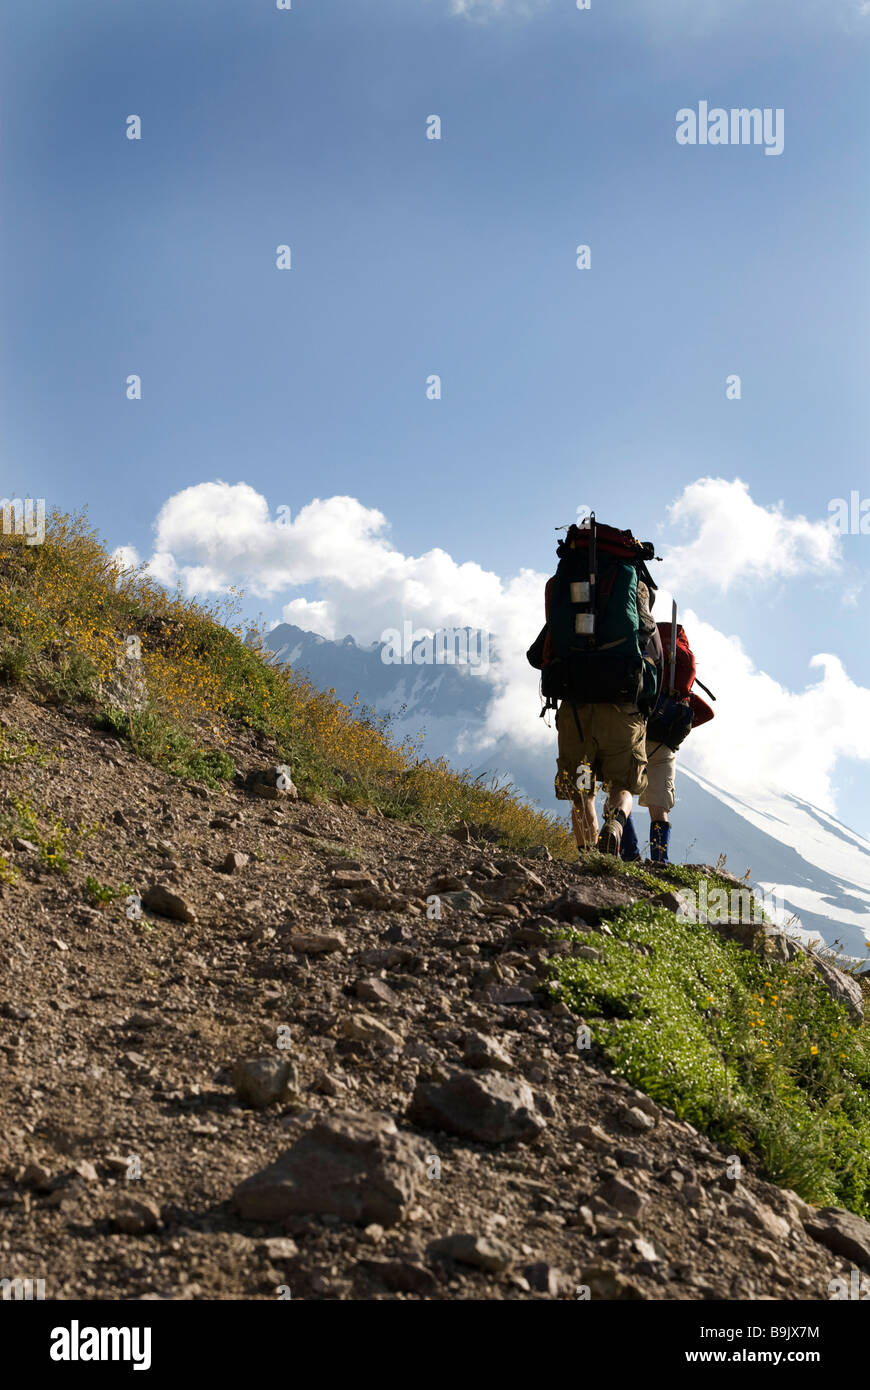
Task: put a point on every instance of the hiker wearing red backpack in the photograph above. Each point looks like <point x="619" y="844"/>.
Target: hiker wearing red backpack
<point x="679" y="709"/>
<point x="597" y="654"/>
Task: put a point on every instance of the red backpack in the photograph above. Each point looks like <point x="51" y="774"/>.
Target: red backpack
<point x="684" y="673"/>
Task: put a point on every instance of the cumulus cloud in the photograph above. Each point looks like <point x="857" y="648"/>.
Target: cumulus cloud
<point x="765" y="735"/>
<point x="313" y="615"/>
<point x="735" y="540"/>
<point x="214" y="535"/>
<point x="126" y="557"/>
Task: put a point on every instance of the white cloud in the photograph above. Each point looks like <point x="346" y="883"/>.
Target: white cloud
<point x="163" y="569"/>
<point x="215" y="535"/>
<point x="311" y="615"/>
<point x="764" y="735"/>
<point x="491" y="9"/>
<point x="126" y="557"/>
<point x="735" y="540"/>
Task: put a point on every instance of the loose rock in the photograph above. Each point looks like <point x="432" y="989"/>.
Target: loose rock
<point x="166" y="902"/>
<point x="261" y="1081"/>
<point x="484" y="1106"/>
<point x="354" y="1165"/>
<point x="481" y="1252"/>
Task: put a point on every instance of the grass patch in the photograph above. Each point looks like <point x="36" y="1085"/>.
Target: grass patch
<point x="51" y="840"/>
<point x="17" y="748"/>
<point x="57" y="842"/>
<point x="668" y="877"/>
<point x="157" y="740"/>
<point x="100" y="894"/>
<point x="72" y="621"/>
<point x="755" y="1054"/>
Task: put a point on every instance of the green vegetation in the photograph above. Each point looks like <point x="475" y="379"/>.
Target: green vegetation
<point x="51" y="842"/>
<point x="755" y="1054"/>
<point x="70" y="618"/>
<point x="17" y="748"/>
<point x="156" y="739"/>
<point x="99" y="894"/>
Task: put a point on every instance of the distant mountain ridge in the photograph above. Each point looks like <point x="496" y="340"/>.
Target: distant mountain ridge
<point x="818" y="866"/>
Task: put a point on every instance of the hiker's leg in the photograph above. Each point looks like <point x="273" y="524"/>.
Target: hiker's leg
<point x="571" y="760"/>
<point x="584" y="822"/>
<point x="621" y="737"/>
<point x="659" y="839"/>
<point x="629" y="849"/>
<point x="659" y="798"/>
<point x="575" y="778"/>
<point x="617" y="809"/>
<point x="618" y="800"/>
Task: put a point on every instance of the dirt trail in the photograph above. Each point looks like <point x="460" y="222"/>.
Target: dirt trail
<point x="525" y="1171"/>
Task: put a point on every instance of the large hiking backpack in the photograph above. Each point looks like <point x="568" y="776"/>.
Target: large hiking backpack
<point x="679" y="709"/>
<point x="590" y="648"/>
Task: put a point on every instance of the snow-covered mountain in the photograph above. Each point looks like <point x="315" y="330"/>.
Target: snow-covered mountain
<point x="819" y="868"/>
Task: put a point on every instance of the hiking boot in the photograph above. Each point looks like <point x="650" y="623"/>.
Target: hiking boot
<point x="610" y="835"/>
<point x="659" y="838"/>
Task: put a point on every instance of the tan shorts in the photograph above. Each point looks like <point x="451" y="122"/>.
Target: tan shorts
<point x="613" y="746"/>
<point x="660" y="765"/>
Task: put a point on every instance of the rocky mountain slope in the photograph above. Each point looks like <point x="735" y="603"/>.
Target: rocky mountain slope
<point x="243" y="1057"/>
<point x="819" y="868"/>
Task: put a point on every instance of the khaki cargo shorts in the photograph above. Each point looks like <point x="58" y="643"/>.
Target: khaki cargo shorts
<point x="661" y="763"/>
<point x="613" y="746"/>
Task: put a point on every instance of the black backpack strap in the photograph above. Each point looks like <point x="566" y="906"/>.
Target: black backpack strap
<point x="705" y="688"/>
<point x="644" y="574"/>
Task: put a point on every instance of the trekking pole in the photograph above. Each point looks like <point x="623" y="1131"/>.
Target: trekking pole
<point x="593" y="565"/>
<point x="673" y="648"/>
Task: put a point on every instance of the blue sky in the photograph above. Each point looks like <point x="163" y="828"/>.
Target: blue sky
<point x="456" y="257"/>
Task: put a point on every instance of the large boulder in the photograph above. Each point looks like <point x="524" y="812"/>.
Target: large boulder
<point x="483" y="1106"/>
<point x="272" y="783"/>
<point x="589" y="902"/>
<point x="842" y="987"/>
<point x="748" y="934"/>
<point x="351" y="1164"/>
<point x="841" y="1232"/>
